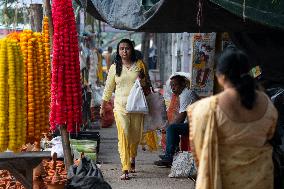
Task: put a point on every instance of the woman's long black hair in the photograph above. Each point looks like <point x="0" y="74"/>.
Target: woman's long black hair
<point x="233" y="63"/>
<point x="118" y="61"/>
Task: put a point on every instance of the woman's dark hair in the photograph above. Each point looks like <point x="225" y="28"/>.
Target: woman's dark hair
<point x="233" y="63"/>
<point x="118" y="61"/>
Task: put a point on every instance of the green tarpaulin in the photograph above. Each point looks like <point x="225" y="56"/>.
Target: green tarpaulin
<point x="267" y="12"/>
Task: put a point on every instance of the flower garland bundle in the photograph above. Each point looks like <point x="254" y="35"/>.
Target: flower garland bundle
<point x="30" y="92"/>
<point x="35" y="81"/>
<point x="3" y="96"/>
<point x="27" y="50"/>
<point x="44" y="83"/>
<point x="12" y="122"/>
<point x="34" y="56"/>
<point x="39" y="86"/>
<point x="12" y="92"/>
<point x="66" y="100"/>
<point x="46" y="43"/>
<point x="20" y="94"/>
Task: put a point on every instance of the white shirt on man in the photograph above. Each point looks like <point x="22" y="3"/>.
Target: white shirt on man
<point x="186" y="98"/>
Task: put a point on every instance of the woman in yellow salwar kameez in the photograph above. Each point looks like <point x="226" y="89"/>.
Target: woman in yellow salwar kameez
<point x="121" y="77"/>
<point x="229" y="132"/>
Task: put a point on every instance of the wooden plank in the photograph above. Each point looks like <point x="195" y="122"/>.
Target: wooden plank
<point x="21" y="165"/>
<point x="10" y="155"/>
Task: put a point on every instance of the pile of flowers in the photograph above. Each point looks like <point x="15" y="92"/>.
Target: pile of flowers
<point x="8" y="181"/>
<point x="55" y="173"/>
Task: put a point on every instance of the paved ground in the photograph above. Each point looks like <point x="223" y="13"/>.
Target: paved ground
<point x="148" y="176"/>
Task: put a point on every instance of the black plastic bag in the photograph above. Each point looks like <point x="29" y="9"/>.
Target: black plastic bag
<point x="277" y="97"/>
<point x="86" y="176"/>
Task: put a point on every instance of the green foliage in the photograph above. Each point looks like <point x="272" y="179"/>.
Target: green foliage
<point x="9" y="14"/>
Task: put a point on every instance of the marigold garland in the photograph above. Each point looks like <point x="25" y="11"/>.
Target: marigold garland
<point x="47" y="67"/>
<point x="3" y="96"/>
<point x="24" y="87"/>
<point x="37" y="87"/>
<point x="12" y="122"/>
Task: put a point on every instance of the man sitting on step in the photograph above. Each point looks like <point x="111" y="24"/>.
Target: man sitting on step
<point x="178" y="125"/>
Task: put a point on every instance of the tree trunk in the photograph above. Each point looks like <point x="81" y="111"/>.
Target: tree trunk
<point x="145" y="45"/>
<point x="68" y="160"/>
<point x="36" y="17"/>
<point x="48" y="13"/>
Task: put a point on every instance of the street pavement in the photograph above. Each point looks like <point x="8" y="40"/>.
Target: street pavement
<point x="148" y="175"/>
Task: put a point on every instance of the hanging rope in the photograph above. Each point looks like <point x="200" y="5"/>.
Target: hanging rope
<point x="199" y="15"/>
<point x="244" y="10"/>
<point x="44" y="9"/>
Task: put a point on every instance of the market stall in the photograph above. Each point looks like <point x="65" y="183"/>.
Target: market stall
<point x="35" y="99"/>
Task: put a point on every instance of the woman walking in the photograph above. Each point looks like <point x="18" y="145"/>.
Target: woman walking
<point x="121" y="77"/>
<point x="229" y="132"/>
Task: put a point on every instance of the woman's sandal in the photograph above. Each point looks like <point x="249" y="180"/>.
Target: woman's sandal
<point x="125" y="176"/>
<point x="132" y="166"/>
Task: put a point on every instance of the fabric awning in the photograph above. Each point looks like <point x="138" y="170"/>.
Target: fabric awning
<point x="181" y="16"/>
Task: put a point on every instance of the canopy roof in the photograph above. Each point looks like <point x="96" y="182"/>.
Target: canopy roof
<point x="181" y="16"/>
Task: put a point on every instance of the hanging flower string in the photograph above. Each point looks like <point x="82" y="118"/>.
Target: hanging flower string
<point x="47" y="66"/>
<point x="36" y="65"/>
<point x="65" y="85"/>
<point x="12" y="117"/>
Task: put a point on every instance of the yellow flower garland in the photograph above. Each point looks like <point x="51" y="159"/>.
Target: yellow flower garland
<point x="3" y="98"/>
<point x="30" y="91"/>
<point x="12" y="122"/>
<point x="25" y="78"/>
<point x="46" y="39"/>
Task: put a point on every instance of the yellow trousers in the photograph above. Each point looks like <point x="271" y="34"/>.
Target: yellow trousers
<point x="129" y="131"/>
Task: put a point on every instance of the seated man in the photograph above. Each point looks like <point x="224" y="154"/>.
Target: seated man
<point x="178" y="125"/>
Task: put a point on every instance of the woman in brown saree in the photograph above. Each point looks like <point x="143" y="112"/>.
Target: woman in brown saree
<point x="229" y="132"/>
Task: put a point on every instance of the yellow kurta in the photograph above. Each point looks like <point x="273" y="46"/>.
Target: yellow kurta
<point x="129" y="126"/>
<point x="229" y="154"/>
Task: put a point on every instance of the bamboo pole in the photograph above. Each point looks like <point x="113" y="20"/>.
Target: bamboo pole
<point x="68" y="160"/>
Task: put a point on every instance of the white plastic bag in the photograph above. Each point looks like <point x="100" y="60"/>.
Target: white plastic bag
<point x="97" y="94"/>
<point x="136" y="102"/>
<point x="57" y="147"/>
<point x="157" y="117"/>
<point x="183" y="165"/>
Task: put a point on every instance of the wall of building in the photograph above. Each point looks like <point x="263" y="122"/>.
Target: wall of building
<point x="173" y="53"/>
